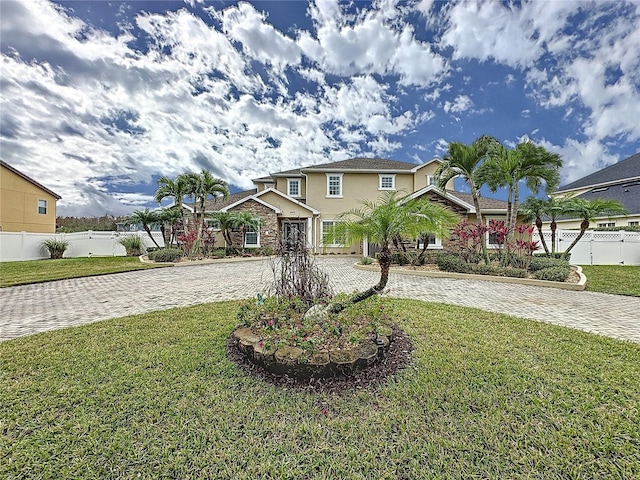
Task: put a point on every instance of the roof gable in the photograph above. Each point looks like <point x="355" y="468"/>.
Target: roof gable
<point x="626" y="169"/>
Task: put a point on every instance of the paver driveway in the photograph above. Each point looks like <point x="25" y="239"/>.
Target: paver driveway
<point x="30" y="309"/>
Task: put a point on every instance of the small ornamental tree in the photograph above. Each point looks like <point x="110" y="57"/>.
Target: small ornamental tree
<point x="391" y="217"/>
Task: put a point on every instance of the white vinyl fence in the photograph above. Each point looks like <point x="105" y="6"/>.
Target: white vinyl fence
<point x="28" y="246"/>
<point x="598" y="248"/>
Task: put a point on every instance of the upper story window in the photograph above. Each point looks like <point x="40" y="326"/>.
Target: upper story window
<point x="42" y="207"/>
<point x="293" y="187"/>
<point x="431" y="180"/>
<point x="387" y="182"/>
<point x="334" y="184"/>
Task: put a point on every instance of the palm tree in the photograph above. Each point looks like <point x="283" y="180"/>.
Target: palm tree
<point x="464" y="161"/>
<point x="171" y="216"/>
<point x="146" y="217"/>
<point x="555" y="208"/>
<point x="205" y="186"/>
<point x="246" y="221"/>
<point x="176" y="189"/>
<point x="526" y="162"/>
<point x="587" y="210"/>
<point x="533" y="209"/>
<point x="382" y="221"/>
<point x="226" y="220"/>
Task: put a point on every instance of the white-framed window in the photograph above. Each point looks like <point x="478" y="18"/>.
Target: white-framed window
<point x="212" y="223"/>
<point x="42" y="207"/>
<point x="252" y="239"/>
<point x="431" y="180"/>
<point x="605" y="224"/>
<point x="633" y="224"/>
<point x="386" y="182"/>
<point x="334" y="184"/>
<point x="433" y="241"/>
<point x="293" y="187"/>
<point x="328" y="228"/>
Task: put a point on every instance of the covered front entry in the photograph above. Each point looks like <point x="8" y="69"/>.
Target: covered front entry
<point x="294" y="230"/>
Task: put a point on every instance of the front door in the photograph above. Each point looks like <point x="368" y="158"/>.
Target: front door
<point x="293" y="232"/>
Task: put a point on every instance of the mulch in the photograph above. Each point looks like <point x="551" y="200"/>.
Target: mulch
<point x="397" y="357"/>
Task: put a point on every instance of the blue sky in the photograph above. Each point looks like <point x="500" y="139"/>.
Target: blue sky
<point x="100" y="98"/>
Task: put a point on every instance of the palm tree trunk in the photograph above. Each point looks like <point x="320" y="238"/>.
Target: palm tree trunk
<point x="583" y="228"/>
<point x="384" y="259"/>
<point x="483" y="240"/>
<point x="553" y="228"/>
<point x="542" y="240"/>
<point x="148" y="230"/>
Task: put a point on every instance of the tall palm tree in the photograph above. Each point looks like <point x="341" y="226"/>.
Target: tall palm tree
<point x="176" y="189"/>
<point x="527" y="163"/>
<point x="587" y="210"/>
<point x="382" y="221"/>
<point x="464" y="161"/>
<point x="202" y="186"/>
<point x="533" y="209"/>
<point x="555" y="208"/>
<point x="147" y="218"/>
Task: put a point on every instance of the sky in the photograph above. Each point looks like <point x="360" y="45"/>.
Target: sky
<point x="100" y="98"/>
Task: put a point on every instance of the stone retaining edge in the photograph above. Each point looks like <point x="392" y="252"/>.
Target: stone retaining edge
<point x="581" y="285"/>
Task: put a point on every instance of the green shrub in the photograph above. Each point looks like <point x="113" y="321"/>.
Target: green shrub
<point x="540" y="263"/>
<point x="166" y="255"/>
<point x="55" y="247"/>
<point x="452" y="263"/>
<point x="556" y="255"/>
<point x="513" y="272"/>
<point x="520" y="261"/>
<point x="553" y="274"/>
<point x="399" y="258"/>
<point x="483" y="269"/>
<point x="366" y="261"/>
<point x="132" y="244"/>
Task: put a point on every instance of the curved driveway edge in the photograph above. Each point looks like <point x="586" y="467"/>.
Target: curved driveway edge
<point x="29" y="309"/>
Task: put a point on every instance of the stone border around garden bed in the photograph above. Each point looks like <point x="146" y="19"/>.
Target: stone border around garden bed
<point x="581" y="285"/>
<point x="288" y="360"/>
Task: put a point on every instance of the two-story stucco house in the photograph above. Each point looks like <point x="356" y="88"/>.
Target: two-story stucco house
<point x="25" y="205"/>
<point x="309" y="200"/>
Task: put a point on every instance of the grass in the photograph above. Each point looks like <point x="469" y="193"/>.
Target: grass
<point x="617" y="279"/>
<point x="36" y="271"/>
<point x="154" y="396"/>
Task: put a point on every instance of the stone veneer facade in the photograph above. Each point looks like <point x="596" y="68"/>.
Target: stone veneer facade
<point x="269" y="228"/>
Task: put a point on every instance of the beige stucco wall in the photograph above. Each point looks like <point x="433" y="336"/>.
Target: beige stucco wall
<point x="289" y="209"/>
<point x="19" y="205"/>
<point x="420" y="176"/>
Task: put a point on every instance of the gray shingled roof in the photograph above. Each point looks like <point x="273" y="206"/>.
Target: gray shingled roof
<point x="211" y="206"/>
<point x="624" y="169"/>
<point x="364" y="164"/>
<point x="485" y="203"/>
<point x="627" y="193"/>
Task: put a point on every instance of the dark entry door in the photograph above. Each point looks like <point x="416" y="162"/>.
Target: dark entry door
<point x="293" y="231"/>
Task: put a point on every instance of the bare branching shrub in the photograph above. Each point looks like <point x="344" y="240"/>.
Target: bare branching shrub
<point x="296" y="274"/>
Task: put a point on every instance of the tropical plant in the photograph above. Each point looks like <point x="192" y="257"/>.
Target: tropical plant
<point x="464" y="161"/>
<point x="246" y="222"/>
<point x="532" y="210"/>
<point x="132" y="244"/>
<point x="527" y="163"/>
<point x="56" y="248"/>
<point x="225" y="222"/>
<point x="170" y="216"/>
<point x="380" y="222"/>
<point x="176" y="189"/>
<point x="147" y="218"/>
<point x="587" y="210"/>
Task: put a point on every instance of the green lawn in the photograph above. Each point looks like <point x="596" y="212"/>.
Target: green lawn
<point x="36" y="271"/>
<point x="154" y="396"/>
<point x="618" y="279"/>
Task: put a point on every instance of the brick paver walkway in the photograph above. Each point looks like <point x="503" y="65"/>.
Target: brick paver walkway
<point x="30" y="309"/>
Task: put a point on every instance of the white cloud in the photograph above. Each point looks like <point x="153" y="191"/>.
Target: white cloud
<point x="460" y="104"/>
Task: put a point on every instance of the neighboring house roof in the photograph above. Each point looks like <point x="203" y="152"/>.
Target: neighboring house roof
<point x="626" y="169"/>
<point x="29" y="179"/>
<point x="627" y="193"/>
